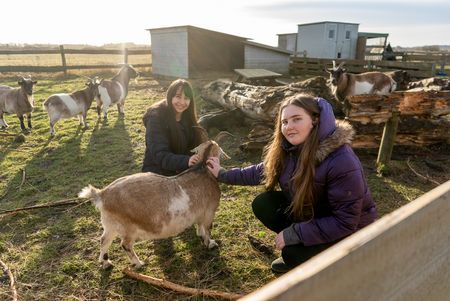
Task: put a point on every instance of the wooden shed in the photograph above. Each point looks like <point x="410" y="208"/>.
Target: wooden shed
<point x="262" y="56"/>
<point x="187" y="51"/>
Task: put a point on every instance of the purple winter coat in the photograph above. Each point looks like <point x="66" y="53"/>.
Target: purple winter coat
<point x="342" y="200"/>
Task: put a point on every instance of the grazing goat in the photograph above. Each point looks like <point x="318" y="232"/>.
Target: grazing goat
<point x="115" y="91"/>
<point x="59" y="106"/>
<point x="17" y="100"/>
<point x="347" y="84"/>
<point x="150" y="206"/>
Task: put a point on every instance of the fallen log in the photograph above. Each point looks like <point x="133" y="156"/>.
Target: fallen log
<point x="368" y="112"/>
<point x="180" y="288"/>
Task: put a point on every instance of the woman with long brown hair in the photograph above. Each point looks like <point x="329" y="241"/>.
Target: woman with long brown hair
<point x="324" y="196"/>
<point x="171" y="131"/>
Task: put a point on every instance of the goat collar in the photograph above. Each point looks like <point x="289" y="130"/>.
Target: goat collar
<point x="343" y="134"/>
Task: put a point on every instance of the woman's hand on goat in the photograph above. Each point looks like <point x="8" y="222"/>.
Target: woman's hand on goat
<point x="213" y="164"/>
<point x="279" y="241"/>
<point x="193" y="160"/>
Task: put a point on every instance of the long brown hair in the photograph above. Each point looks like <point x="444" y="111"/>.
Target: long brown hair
<point x="188" y="117"/>
<point x="303" y="178"/>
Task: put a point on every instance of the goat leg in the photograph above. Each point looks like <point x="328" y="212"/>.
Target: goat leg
<point x="29" y="121"/>
<point x="22" y="125"/>
<point x="127" y="245"/>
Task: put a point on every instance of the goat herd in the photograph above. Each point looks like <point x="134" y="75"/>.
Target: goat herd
<point x="147" y="205"/>
<point x="58" y="106"/>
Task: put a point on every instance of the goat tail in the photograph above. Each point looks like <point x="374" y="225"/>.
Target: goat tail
<point x="90" y="192"/>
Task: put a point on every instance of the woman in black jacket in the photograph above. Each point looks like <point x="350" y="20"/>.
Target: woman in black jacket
<point x="171" y="131"/>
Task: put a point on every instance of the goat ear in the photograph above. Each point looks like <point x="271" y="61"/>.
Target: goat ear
<point x="194" y="150"/>
<point x="34" y="82"/>
<point x="202" y="132"/>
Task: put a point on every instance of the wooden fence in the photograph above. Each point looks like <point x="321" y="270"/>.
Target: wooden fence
<point x="314" y="66"/>
<point x="405" y="255"/>
<point x="64" y="67"/>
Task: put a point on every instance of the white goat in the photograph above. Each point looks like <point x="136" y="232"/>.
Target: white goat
<point x="59" y="106"/>
<point x="115" y="91"/>
<point x="149" y="206"/>
<point x="17" y="100"/>
<point x="347" y="84"/>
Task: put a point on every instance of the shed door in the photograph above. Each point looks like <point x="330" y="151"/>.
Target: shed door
<point x="330" y="38"/>
<point x="345" y="51"/>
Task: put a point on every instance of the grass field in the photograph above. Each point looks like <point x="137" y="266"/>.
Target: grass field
<point x="53" y="252"/>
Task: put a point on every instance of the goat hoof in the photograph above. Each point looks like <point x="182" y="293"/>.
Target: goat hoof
<point x="212" y="244"/>
<point x="107" y="265"/>
<point x="138" y="265"/>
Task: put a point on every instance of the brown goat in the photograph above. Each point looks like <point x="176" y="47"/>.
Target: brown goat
<point x="17" y="100"/>
<point x="147" y="206"/>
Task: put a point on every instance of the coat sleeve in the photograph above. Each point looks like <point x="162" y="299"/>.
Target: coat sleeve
<point x="251" y="175"/>
<point x="345" y="192"/>
<point x="157" y="142"/>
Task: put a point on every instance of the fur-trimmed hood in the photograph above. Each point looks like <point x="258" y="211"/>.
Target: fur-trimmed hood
<point x="343" y="134"/>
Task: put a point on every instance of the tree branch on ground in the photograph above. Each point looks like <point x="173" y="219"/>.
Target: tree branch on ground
<point x="12" y="282"/>
<point x="180" y="288"/>
<point x="419" y="175"/>
<point x="66" y="202"/>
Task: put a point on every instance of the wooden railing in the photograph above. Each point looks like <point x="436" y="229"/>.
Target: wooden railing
<point x="405" y="255"/>
<point x="314" y="66"/>
<point x="64" y="67"/>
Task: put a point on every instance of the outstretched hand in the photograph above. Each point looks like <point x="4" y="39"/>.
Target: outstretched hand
<point x="213" y="164"/>
<point x="193" y="160"/>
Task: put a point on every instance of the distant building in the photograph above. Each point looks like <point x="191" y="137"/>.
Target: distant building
<point x="260" y="56"/>
<point x="287" y="41"/>
<point x="185" y="51"/>
<point x="333" y="40"/>
<point x="188" y="51"/>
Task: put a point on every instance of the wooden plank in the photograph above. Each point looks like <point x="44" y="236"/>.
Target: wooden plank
<point x="256" y="73"/>
<point x="405" y="255"/>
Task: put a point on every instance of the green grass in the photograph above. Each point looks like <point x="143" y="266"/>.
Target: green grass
<point x="53" y="252"/>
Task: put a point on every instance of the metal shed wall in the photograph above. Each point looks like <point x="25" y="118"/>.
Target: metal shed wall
<point x="287" y="41"/>
<point x="314" y="40"/>
<point x="212" y="51"/>
<point x="170" y="52"/>
<point x="187" y="51"/>
<point x="261" y="58"/>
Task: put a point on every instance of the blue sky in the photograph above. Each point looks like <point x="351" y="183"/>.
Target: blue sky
<point x="96" y="22"/>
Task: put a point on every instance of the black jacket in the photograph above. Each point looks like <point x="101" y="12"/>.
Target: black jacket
<point x="159" y="156"/>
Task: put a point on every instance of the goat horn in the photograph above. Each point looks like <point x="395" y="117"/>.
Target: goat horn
<point x="341" y="64"/>
<point x="334" y="65"/>
<point x="219" y="137"/>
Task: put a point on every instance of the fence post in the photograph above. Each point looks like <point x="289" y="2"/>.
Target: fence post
<point x="125" y="56"/>
<point x="387" y="140"/>
<point x="63" y="59"/>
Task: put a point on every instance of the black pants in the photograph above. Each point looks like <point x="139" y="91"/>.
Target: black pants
<point x="270" y="208"/>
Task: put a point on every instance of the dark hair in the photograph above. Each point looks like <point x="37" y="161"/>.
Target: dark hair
<point x="303" y="178"/>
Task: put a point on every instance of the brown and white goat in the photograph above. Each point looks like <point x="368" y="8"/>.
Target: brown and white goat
<point x="147" y="206"/>
<point x="17" y="100"/>
<point x="60" y="106"/>
<point x="345" y="84"/>
<point x="115" y="91"/>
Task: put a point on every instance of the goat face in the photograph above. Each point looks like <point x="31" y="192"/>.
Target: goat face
<point x="336" y="74"/>
<point x="27" y="85"/>
<point x="131" y="71"/>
